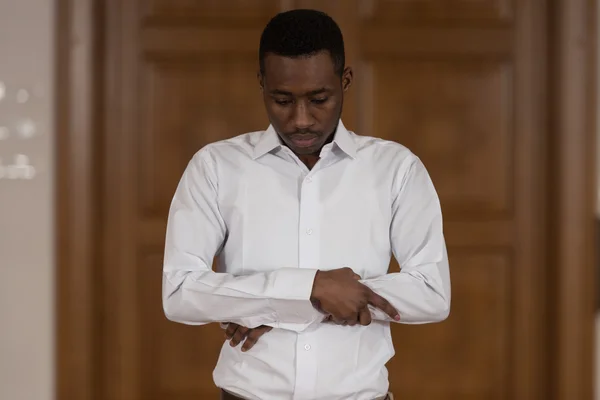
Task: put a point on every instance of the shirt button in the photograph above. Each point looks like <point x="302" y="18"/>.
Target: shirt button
<point x="307" y="347"/>
<point x="309" y="179"/>
<point x="309" y="231"/>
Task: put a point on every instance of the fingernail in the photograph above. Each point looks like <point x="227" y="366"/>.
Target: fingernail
<point x="397" y="318"/>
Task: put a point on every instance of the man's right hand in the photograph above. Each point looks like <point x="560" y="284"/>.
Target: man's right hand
<point x="340" y="294"/>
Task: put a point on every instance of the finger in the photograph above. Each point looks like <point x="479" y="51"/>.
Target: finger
<point x="239" y="335"/>
<point x="268" y="328"/>
<point x="231" y="328"/>
<point x="253" y="337"/>
<point x="357" y="277"/>
<point x="352" y="320"/>
<point x="364" y="317"/>
<point x="384" y="305"/>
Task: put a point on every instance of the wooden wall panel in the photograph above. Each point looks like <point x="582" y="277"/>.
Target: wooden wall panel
<point x="237" y="11"/>
<point x="175" y="360"/>
<point x="441" y="11"/>
<point x="469" y="355"/>
<point x="456" y="115"/>
<point x="182" y="102"/>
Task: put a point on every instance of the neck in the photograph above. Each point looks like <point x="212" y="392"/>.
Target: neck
<point x="309" y="160"/>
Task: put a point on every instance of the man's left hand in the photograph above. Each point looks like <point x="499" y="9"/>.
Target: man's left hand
<point x="236" y="334"/>
<point x="364" y="319"/>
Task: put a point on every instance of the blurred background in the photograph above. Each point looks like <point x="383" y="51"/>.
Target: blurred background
<point x="103" y="103"/>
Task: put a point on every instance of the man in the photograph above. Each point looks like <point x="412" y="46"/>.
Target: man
<point x="304" y="217"/>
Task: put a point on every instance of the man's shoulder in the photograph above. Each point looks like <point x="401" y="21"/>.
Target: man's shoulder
<point x="241" y="145"/>
<point x="382" y="150"/>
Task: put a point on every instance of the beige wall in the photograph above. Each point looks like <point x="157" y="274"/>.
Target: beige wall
<point x="26" y="206"/>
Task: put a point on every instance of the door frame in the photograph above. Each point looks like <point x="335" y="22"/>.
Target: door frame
<point x="78" y="64"/>
<point x="571" y="188"/>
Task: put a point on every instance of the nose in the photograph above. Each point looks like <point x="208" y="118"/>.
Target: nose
<point x="302" y="117"/>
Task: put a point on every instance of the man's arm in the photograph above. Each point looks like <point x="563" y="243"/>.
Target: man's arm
<point x="421" y="290"/>
<point x="193" y="294"/>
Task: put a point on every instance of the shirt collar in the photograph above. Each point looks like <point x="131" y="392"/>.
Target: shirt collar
<point x="269" y="141"/>
<point x="343" y="139"/>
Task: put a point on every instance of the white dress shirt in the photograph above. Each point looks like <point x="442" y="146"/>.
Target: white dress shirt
<point x="274" y="223"/>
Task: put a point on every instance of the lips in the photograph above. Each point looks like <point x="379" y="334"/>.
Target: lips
<point x="304" y="141"/>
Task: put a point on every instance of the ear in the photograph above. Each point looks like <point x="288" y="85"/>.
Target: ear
<point x="261" y="82"/>
<point x="347" y="78"/>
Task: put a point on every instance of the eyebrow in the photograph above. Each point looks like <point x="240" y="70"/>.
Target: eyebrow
<point x="311" y="93"/>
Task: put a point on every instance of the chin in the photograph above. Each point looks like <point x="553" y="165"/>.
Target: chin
<point x="306" y="151"/>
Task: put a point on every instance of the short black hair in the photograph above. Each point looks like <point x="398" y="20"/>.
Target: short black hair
<point x="302" y="33"/>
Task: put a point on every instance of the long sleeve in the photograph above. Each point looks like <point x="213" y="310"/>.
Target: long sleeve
<point x="194" y="294"/>
<point x="421" y="290"/>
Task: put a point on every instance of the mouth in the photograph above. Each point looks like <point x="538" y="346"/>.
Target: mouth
<point x="304" y="141"/>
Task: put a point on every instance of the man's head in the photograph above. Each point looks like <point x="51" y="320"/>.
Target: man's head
<point x="303" y="77"/>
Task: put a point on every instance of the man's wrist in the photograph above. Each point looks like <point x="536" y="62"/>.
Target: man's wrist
<point x="315" y="293"/>
<point x="316" y="304"/>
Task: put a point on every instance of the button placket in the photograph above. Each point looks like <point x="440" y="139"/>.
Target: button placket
<point x="308" y="257"/>
<point x="306" y="366"/>
<point x="308" y="235"/>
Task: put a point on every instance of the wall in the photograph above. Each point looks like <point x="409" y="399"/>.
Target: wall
<point x="26" y="199"/>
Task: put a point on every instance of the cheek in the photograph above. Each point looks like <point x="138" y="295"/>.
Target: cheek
<point x="277" y="115"/>
<point x="328" y="116"/>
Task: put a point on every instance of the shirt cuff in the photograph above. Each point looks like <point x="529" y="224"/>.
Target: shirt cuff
<point x="296" y="286"/>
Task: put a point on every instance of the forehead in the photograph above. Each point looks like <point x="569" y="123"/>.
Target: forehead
<point x="299" y="73"/>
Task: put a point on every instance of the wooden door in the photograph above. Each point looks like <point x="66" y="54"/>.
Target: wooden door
<point x="459" y="82"/>
<point x="449" y="79"/>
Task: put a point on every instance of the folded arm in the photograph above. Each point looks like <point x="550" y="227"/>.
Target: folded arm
<point x="421" y="290"/>
<point x="194" y="294"/>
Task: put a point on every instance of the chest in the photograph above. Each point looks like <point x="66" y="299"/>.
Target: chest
<point x="332" y="216"/>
